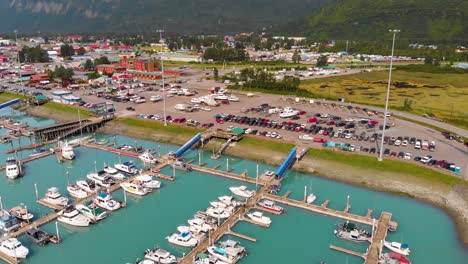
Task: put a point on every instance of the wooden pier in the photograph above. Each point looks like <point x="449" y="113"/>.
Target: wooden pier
<point x="8" y="259"/>
<point x="245" y="219"/>
<point x="227" y="174"/>
<point x="71" y="128"/>
<point x="249" y="238"/>
<point x="380" y="234"/>
<point x="50" y="205"/>
<point x="111" y="149"/>
<point x="31" y="146"/>
<point x="348" y="251"/>
<point x="28" y="159"/>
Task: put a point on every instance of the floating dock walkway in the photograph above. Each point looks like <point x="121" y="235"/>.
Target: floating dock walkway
<point x="70" y="128"/>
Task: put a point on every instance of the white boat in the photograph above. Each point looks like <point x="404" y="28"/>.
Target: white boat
<point x="54" y="197"/>
<point x="288" y="112"/>
<point x="147" y="181"/>
<point x="156" y="98"/>
<point x="105" y="201"/>
<point x="229" y="200"/>
<point x="21" y="213"/>
<point x="12" y="168"/>
<point x="147" y="157"/>
<point x="311" y="198"/>
<point x="397" y="247"/>
<point x="88" y="186"/>
<point x="127" y="167"/>
<point x="92" y="211"/>
<point x="67" y="151"/>
<point x="72" y="217"/>
<point x="160" y="256"/>
<point x="270" y="206"/>
<point x="76" y="192"/>
<point x="218" y="213"/>
<point x="183" y="239"/>
<point x="242" y="191"/>
<point x="227" y="254"/>
<point x="306" y="137"/>
<point x="78" y="141"/>
<point x="113" y="172"/>
<point x="13" y="248"/>
<point x="204" y="108"/>
<point x="8" y="221"/>
<point x="135" y="188"/>
<point x="259" y="218"/>
<point x="233" y="98"/>
<point x="221" y="96"/>
<point x="200" y="225"/>
<point x="101" y="178"/>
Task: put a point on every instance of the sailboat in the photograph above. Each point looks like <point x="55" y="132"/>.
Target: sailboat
<point x="311" y="197"/>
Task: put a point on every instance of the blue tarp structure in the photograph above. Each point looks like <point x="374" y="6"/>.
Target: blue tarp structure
<point x="329" y="144"/>
<point x="12" y="102"/>
<point x="187" y="145"/>
<point x="286" y="163"/>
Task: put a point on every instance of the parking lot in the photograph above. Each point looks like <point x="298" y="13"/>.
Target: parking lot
<point x="356" y="128"/>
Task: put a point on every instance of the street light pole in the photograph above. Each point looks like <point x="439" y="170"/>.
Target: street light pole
<point x="18" y="58"/>
<point x="394" y="31"/>
<point x="162" y="74"/>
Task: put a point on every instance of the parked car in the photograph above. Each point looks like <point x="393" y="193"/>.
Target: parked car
<point x="407" y="156"/>
<point x="426" y="159"/>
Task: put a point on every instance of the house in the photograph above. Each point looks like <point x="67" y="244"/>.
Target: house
<point x="65" y="97"/>
<point x="39" y="78"/>
<point x="110" y="68"/>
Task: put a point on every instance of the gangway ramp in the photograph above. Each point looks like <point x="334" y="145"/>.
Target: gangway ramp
<point x="187" y="145"/>
<point x="10" y="103"/>
<point x="286" y="163"/>
<point x="221" y="150"/>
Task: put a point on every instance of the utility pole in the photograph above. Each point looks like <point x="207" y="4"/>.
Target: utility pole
<point x="160" y="31"/>
<point x="18" y="58"/>
<point x="394" y="31"/>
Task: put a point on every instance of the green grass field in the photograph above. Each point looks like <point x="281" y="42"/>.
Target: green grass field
<point x="158" y="126"/>
<point x="68" y="109"/>
<point x="442" y="95"/>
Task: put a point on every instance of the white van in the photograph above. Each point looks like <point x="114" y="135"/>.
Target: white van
<point x="417" y="145"/>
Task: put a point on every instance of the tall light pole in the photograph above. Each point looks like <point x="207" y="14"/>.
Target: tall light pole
<point x="162" y="74"/>
<point x="18" y="58"/>
<point x="394" y="31"/>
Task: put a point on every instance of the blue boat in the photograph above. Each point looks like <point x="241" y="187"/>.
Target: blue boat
<point x="8" y="222"/>
<point x="36" y="152"/>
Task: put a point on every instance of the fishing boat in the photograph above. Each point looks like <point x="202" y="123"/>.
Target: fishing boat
<point x="350" y="231"/>
<point x="182" y="239"/>
<point x="88" y="186"/>
<point x="147" y="181"/>
<point x="147" y="157"/>
<point x="71" y="216"/>
<point x="92" y="211"/>
<point x="21" y="213"/>
<point x="218" y="213"/>
<point x="200" y="225"/>
<point x="8" y="221"/>
<point x="105" y="200"/>
<point x="37" y="152"/>
<point x="229" y="251"/>
<point x="54" y="197"/>
<point x="127" y="167"/>
<point x="180" y="165"/>
<point x="393" y="258"/>
<point x="13" y="248"/>
<point x="76" y="192"/>
<point x="101" y="178"/>
<point x="12" y="168"/>
<point x="113" y="172"/>
<point x="270" y="206"/>
<point x="67" y="151"/>
<point x="160" y="256"/>
<point x="135" y="188"/>
<point x="259" y="218"/>
<point x="242" y="191"/>
<point x="38" y="236"/>
<point x="400" y="248"/>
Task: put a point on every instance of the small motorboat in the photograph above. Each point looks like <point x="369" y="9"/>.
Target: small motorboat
<point x="270" y="206"/>
<point x="352" y="235"/>
<point x="13" y="248"/>
<point x="181" y="165"/>
<point x="101" y="178"/>
<point x="200" y="225"/>
<point x="288" y="112"/>
<point x="54" y="197"/>
<point x="37" y="236"/>
<point x="147" y="157"/>
<point x="400" y="248"/>
<point x="259" y="218"/>
<point x="113" y="172"/>
<point x="147" y="181"/>
<point x="135" y="188"/>
<point x="12" y="168"/>
<point x="67" y="151"/>
<point x="88" y="186"/>
<point x="160" y="256"/>
<point x="311" y="198"/>
<point x="76" y="192"/>
<point x="71" y="216"/>
<point x="393" y="258"/>
<point x="8" y="221"/>
<point x="106" y="201"/>
<point x="92" y="211"/>
<point x="183" y="239"/>
<point x="21" y="213"/>
<point x="269" y="173"/>
<point x="229" y="200"/>
<point x="127" y="167"/>
<point x="242" y="191"/>
<point x="37" y="152"/>
<point x="227" y="254"/>
<point x="218" y="213"/>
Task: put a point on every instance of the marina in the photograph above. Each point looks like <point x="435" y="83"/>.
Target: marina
<point x="234" y="174"/>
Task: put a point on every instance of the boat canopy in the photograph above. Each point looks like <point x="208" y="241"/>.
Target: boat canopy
<point x="185" y="234"/>
<point x="404" y="246"/>
<point x="220" y="251"/>
<point x="103" y="195"/>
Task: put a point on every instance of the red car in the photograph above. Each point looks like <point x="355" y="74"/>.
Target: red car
<point x="219" y="121"/>
<point x="177" y="120"/>
<point x="312" y="120"/>
<point x="298" y="129"/>
<point x="302" y="112"/>
<point x="320" y="140"/>
<point x="373" y="122"/>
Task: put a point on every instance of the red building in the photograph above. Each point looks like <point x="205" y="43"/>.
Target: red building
<point x="110" y="69"/>
<point x="3" y="59"/>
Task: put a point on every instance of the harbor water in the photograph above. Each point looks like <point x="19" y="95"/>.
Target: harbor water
<point x="298" y="236"/>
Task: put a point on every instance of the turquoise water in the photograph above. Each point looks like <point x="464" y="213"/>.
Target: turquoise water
<point x="297" y="236"/>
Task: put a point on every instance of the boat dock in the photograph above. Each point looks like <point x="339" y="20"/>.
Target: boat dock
<point x="226" y="174"/>
<point x="89" y="144"/>
<point x="70" y="128"/>
<point x="28" y="159"/>
<point x="8" y="259"/>
<point x="31" y="146"/>
<point x="348" y="251"/>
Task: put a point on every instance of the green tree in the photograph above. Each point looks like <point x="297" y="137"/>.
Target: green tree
<point x="171" y="46"/>
<point x="66" y="50"/>
<point x="101" y="60"/>
<point x="215" y="73"/>
<point x="81" y="51"/>
<point x="322" y="61"/>
<point x="88" y="65"/>
<point x="296" y="57"/>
